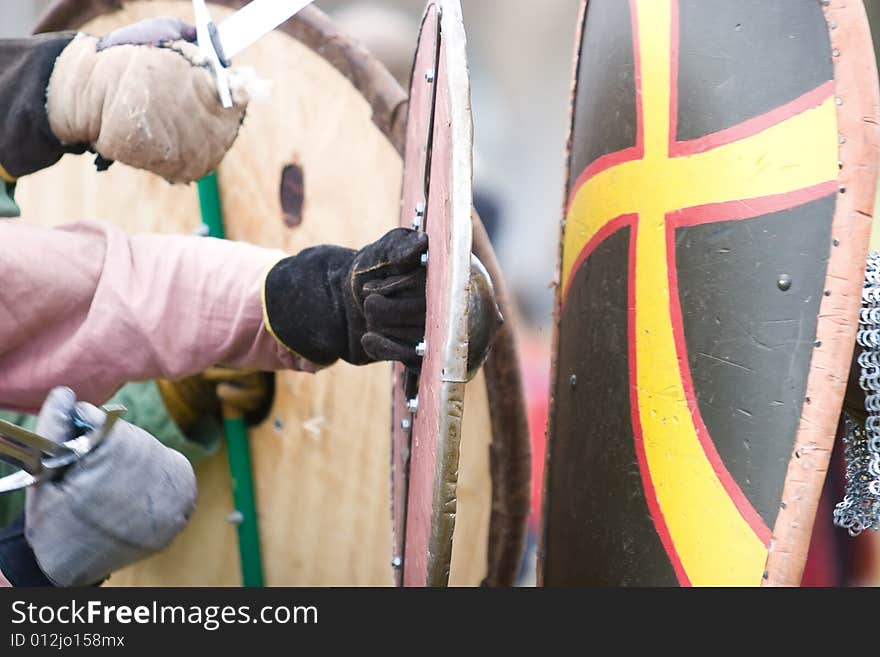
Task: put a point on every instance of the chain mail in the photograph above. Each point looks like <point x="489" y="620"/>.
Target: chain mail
<point x="860" y="508"/>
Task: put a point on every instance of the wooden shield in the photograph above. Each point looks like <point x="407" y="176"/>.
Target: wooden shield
<point x="437" y="197"/>
<point x="321" y="162"/>
<point x="721" y="180"/>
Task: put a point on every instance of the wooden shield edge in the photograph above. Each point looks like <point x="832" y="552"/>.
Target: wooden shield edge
<point x="858" y="116"/>
<point x="510" y="450"/>
<point x="439" y="122"/>
<point x="405" y="435"/>
<point x="557" y="282"/>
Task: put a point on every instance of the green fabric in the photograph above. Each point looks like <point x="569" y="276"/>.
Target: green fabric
<point x="8" y="207"/>
<point x="146" y="410"/>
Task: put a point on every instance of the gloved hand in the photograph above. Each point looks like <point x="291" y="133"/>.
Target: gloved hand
<point x="329" y="303"/>
<point x="124" y="501"/>
<point x="143" y="96"/>
<point x="238" y="393"/>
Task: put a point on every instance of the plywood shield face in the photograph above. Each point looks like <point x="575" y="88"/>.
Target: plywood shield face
<point x="315" y="164"/>
<point x="437" y="197"/>
<point x="721" y="178"/>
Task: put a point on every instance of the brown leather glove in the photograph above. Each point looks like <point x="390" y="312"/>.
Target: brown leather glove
<point x="218" y="392"/>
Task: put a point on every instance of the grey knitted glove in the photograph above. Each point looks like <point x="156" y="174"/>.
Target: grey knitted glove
<point x="124" y="501"/>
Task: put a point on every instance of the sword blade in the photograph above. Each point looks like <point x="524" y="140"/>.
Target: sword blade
<point x="19" y="456"/>
<point x="253" y="21"/>
<point x="29" y="438"/>
<point x="17" y="481"/>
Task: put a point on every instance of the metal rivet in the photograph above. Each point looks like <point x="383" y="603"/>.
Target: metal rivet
<point x="817" y="344"/>
<point x="784" y="282"/>
<point x="420" y="213"/>
<point x="827" y="293"/>
<point x="842" y="189"/>
<point x="573" y="381"/>
<point x="412" y="405"/>
<point x="235" y="518"/>
<point x="808" y="400"/>
<point x="396" y="563"/>
<point x="835" y="52"/>
<point x="839" y="164"/>
<point x="424" y="260"/>
<point x="833" y="25"/>
<point x="836" y="242"/>
<point x="278" y="424"/>
<point x="203" y="230"/>
<point x="406" y="425"/>
<point x="839" y="101"/>
<point x="429" y="76"/>
<point x="825" y="3"/>
<point x="841" y="140"/>
<point x="421" y="349"/>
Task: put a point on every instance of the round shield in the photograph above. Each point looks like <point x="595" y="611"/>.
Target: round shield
<point x="721" y="180"/>
<point x="437" y="197"/>
<point x="320" y="461"/>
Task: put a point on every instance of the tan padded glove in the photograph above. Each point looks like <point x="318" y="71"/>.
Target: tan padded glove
<point x="218" y="392"/>
<point x="153" y="107"/>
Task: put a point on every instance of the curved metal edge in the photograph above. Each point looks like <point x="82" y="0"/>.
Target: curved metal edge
<point x="858" y="115"/>
<point x="454" y="354"/>
<point x="557" y="299"/>
<point x="510" y="447"/>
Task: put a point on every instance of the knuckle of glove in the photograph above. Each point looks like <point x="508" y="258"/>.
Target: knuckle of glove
<point x="183" y="132"/>
<point x="381" y="348"/>
<point x="412" y="284"/>
<point x="396" y="252"/>
<point x="150" y="31"/>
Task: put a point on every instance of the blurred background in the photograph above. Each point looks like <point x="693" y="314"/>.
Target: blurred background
<point x="520" y="54"/>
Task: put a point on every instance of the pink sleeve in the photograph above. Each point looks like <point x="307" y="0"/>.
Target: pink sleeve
<point x="92" y="308"/>
<point x="4" y="583"/>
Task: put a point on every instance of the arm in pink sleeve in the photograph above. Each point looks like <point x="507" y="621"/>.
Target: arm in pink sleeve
<point x="90" y="307"/>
